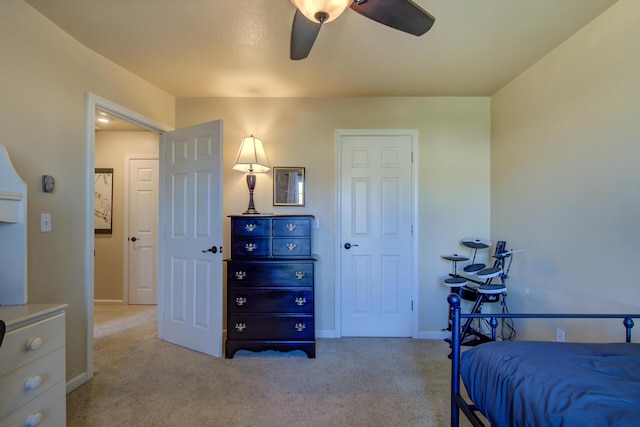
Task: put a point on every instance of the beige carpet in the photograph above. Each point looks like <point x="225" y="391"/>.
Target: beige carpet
<point x="142" y="381"/>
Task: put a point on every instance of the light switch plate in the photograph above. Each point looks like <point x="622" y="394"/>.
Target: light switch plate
<point x="45" y="223"/>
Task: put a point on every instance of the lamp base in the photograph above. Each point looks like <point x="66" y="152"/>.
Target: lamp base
<point x="251" y="183"/>
<point x="251" y="211"/>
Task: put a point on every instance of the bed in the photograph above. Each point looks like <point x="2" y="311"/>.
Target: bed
<point x="526" y="383"/>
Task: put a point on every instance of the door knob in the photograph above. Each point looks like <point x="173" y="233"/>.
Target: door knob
<point x="348" y="245"/>
<point x="212" y="249"/>
<point x="133" y="239"/>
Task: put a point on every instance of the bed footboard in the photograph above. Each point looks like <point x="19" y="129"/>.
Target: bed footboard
<point x="458" y="403"/>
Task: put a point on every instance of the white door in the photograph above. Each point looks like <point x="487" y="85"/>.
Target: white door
<point x="376" y="232"/>
<point x="191" y="230"/>
<point x="143" y="235"/>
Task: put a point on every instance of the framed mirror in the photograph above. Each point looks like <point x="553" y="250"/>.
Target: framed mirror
<point x="288" y="186"/>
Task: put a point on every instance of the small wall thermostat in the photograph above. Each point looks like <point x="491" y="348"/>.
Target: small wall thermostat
<point x="48" y="183"/>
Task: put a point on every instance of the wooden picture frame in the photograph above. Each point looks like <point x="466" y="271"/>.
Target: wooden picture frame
<point x="103" y="201"/>
<point x="288" y="186"/>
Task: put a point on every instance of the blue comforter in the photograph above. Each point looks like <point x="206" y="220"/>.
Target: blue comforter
<point x="518" y="383"/>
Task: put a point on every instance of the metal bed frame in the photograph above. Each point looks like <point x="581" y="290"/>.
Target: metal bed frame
<point x="458" y="402"/>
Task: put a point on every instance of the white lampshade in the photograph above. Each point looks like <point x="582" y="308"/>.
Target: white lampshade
<point x="311" y="8"/>
<point x="251" y="156"/>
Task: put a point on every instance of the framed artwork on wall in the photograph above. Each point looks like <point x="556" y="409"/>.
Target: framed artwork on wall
<point x="288" y="186"/>
<point x="103" y="201"/>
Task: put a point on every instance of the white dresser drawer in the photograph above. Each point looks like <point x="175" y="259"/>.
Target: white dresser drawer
<point x="25" y="383"/>
<point x="25" y="344"/>
<point x="49" y="408"/>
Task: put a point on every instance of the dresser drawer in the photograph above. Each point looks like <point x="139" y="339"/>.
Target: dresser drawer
<point x="254" y="227"/>
<point x="49" y="407"/>
<point x="291" y="247"/>
<point x="30" y="380"/>
<point x="246" y="300"/>
<point x="28" y="343"/>
<point x="270" y="274"/>
<point x="294" y="227"/>
<point x="251" y="247"/>
<point x="271" y="327"/>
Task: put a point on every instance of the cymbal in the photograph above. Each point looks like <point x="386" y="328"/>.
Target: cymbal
<point x="506" y="254"/>
<point x="476" y="243"/>
<point x="455" y="257"/>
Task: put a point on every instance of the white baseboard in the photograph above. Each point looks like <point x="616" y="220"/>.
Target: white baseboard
<point x="424" y="335"/>
<point x="108" y="302"/>
<point x="434" y="335"/>
<point x="76" y="382"/>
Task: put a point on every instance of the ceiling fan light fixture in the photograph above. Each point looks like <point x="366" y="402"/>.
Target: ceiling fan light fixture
<point x="321" y="11"/>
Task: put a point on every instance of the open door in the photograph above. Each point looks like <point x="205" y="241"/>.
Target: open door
<point x="190" y="271"/>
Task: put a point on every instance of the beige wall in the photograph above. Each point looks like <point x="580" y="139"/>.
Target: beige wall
<point x="45" y="78"/>
<point x="453" y="172"/>
<point x="112" y="151"/>
<point x="565" y="177"/>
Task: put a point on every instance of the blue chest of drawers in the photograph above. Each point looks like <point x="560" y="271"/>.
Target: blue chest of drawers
<point x="270" y="285"/>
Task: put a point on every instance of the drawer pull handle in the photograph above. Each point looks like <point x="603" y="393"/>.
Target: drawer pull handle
<point x="240" y="301"/>
<point x="240" y="275"/>
<point x="291" y="227"/>
<point x="291" y="247"/>
<point x="33" y="344"/>
<point x="33" y="382"/>
<point x="33" y="420"/>
<point x="240" y="327"/>
<point x="301" y="301"/>
<point x="250" y="247"/>
<point x="250" y="227"/>
<point x="300" y="327"/>
<point x="299" y="275"/>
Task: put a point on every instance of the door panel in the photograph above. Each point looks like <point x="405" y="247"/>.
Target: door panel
<point x="192" y="208"/>
<point x="376" y="216"/>
<point x="143" y="225"/>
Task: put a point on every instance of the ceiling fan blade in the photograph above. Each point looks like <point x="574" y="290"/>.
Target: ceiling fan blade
<point x="303" y="35"/>
<point x="403" y="15"/>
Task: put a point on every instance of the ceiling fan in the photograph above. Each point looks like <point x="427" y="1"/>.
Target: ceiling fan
<point x="403" y="15"/>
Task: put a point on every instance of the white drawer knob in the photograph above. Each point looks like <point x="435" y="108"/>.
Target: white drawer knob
<point x="33" y="382"/>
<point x="33" y="420"/>
<point x="33" y="344"/>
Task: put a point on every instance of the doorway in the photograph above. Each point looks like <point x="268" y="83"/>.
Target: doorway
<point x="376" y="260"/>
<point x="187" y="148"/>
<point x="125" y="253"/>
<point x="93" y="103"/>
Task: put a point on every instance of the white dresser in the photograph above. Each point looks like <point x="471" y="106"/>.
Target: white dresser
<point x="32" y="366"/>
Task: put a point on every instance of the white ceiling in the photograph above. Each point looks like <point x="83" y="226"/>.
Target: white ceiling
<point x="114" y="123"/>
<point x="240" y="48"/>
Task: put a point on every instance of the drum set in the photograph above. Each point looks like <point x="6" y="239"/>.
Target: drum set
<point x="476" y="283"/>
